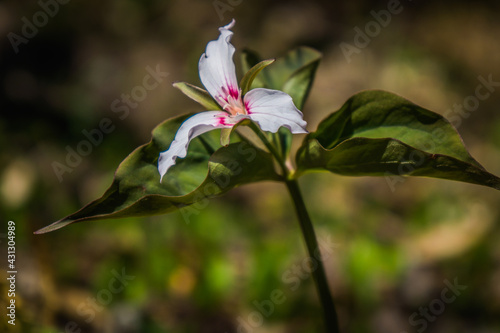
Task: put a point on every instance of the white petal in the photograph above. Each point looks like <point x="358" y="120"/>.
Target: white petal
<point x="191" y="128"/>
<point x="216" y="67"/>
<point x="272" y="109"/>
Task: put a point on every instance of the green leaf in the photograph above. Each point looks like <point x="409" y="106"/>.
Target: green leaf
<point x="251" y="74"/>
<point x="393" y="159"/>
<point x="377" y="133"/>
<point x="300" y="82"/>
<point x="198" y="95"/>
<point x="293" y="73"/>
<point x="136" y="189"/>
<point x="250" y="59"/>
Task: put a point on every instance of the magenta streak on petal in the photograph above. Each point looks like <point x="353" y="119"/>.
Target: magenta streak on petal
<point x="233" y="92"/>
<point x="222" y="121"/>
<point x="247" y="106"/>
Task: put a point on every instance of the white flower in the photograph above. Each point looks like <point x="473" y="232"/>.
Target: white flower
<point x="270" y="109"/>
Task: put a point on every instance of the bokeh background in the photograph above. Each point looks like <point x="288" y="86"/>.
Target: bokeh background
<point x="391" y="249"/>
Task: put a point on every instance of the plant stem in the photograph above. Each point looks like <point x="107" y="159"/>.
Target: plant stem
<point x="318" y="273"/>
<point x="319" y="276"/>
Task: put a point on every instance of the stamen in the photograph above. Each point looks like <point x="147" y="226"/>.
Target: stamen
<point x="230" y="101"/>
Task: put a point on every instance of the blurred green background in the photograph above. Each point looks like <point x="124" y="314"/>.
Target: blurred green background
<point x="392" y="249"/>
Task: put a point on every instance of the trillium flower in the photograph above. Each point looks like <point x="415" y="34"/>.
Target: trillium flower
<point x="270" y="109"/>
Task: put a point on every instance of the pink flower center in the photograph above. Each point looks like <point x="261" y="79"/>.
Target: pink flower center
<point x="232" y="102"/>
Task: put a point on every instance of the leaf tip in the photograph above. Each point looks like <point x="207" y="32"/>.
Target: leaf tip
<point x="53" y="226"/>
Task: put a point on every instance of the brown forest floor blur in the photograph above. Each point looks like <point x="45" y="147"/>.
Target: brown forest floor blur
<point x="395" y="249"/>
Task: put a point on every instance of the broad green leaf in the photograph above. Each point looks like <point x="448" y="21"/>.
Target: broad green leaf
<point x="293" y="73"/>
<point x="285" y="67"/>
<point x="198" y="95"/>
<point x="300" y="82"/>
<point x="377" y="133"/>
<point x="251" y="74"/>
<point x="393" y="159"/>
<point x="136" y="189"/>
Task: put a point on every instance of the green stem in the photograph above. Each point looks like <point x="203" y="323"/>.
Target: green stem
<point x="319" y="276"/>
